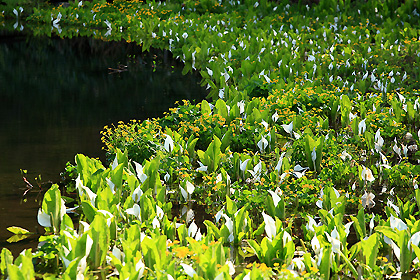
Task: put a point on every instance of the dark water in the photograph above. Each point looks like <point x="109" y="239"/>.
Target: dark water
<point x="55" y="97"/>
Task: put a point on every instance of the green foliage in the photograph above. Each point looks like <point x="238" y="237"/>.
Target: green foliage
<point x="307" y="101"/>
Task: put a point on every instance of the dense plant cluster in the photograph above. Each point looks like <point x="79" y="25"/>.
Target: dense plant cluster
<point x="307" y="142"/>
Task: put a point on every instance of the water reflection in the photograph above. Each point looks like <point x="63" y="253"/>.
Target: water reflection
<point x="55" y="97"/>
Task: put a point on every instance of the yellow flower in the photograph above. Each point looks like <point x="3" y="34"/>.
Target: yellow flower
<point x="263" y="267"/>
<point x="182" y="252"/>
<point x="314" y="269"/>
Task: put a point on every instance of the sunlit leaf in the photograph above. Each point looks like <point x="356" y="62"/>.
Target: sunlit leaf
<point x="18" y="230"/>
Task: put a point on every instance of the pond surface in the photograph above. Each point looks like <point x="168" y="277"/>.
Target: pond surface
<point x="55" y="97"/>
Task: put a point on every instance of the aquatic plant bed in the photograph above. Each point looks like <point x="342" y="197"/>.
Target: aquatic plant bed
<point x="305" y="155"/>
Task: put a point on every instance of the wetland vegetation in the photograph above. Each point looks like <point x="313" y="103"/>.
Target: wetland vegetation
<point x="304" y="155"/>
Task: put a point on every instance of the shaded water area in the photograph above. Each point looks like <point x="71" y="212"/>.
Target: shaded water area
<point x="55" y="97"/>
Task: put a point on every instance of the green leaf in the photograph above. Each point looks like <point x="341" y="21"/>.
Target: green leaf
<point x="226" y="139"/>
<point x="71" y="270"/>
<point x="307" y="260"/>
<point x="267" y="251"/>
<point x="15" y="272"/>
<point x="310" y="144"/>
<point x="416" y="250"/>
<point x="18" y="230"/>
<point x="191" y="145"/>
<point x="202" y="156"/>
<point x="350" y="266"/>
<point x="355" y="250"/>
<point x="51" y="204"/>
<point x="370" y="249"/>
<point x="122" y="157"/>
<point x="325" y="263"/>
<point x="182" y="234"/>
<point x="105" y="199"/>
<point x="405" y="253"/>
<point x="257" y="249"/>
<point x="99" y="231"/>
<point x="410" y="110"/>
<point x="271" y="209"/>
<point x="345" y="104"/>
<point x="221" y="109"/>
<point x="212" y="229"/>
<point x="360" y="224"/>
<point x="6" y="259"/>
<point x="239" y="220"/>
<point x="260" y="230"/>
<point x="205" y="108"/>
<point x="150" y="248"/>
<point x="388" y="232"/>
<point x="80" y="247"/>
<point x="88" y="210"/>
<point x="230" y="207"/>
<point x="25" y="264"/>
<point x="17" y="238"/>
<point x="212" y="155"/>
<point x="318" y="150"/>
<point x="116" y="178"/>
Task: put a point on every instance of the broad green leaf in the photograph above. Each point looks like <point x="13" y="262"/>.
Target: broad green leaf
<point x="325" y="263"/>
<point x="71" y="270"/>
<point x="410" y="110"/>
<point x="230" y="207"/>
<point x="205" y="108"/>
<point x="212" y="229"/>
<point x="88" y="210"/>
<point x="226" y="140"/>
<point x="360" y="224"/>
<point x="17" y="238"/>
<point x="25" y="264"/>
<point x="345" y="108"/>
<point x="225" y="234"/>
<point x="267" y="251"/>
<point x="18" y="230"/>
<point x="271" y="209"/>
<point x="307" y="260"/>
<point x="182" y="234"/>
<point x="150" y="251"/>
<point x="355" y="250"/>
<point x="370" y="249"/>
<point x="53" y="205"/>
<point x="417" y="192"/>
<point x="15" y="272"/>
<point x="310" y="144"/>
<point x="99" y="231"/>
<point x="122" y="157"/>
<point x="388" y="232"/>
<point x="202" y="157"/>
<point x="105" y="199"/>
<point x="318" y="149"/>
<point x="259" y="231"/>
<point x="405" y="253"/>
<point x="83" y="245"/>
<point x="416" y="250"/>
<point x="191" y="145"/>
<point x="221" y="109"/>
<point x="116" y="178"/>
<point x="214" y="153"/>
<point x="257" y="249"/>
<point x="6" y="259"/>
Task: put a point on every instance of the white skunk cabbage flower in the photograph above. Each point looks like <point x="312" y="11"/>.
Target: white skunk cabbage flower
<point x="169" y="144"/>
<point x="270" y="226"/>
<point x="43" y="218"/>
